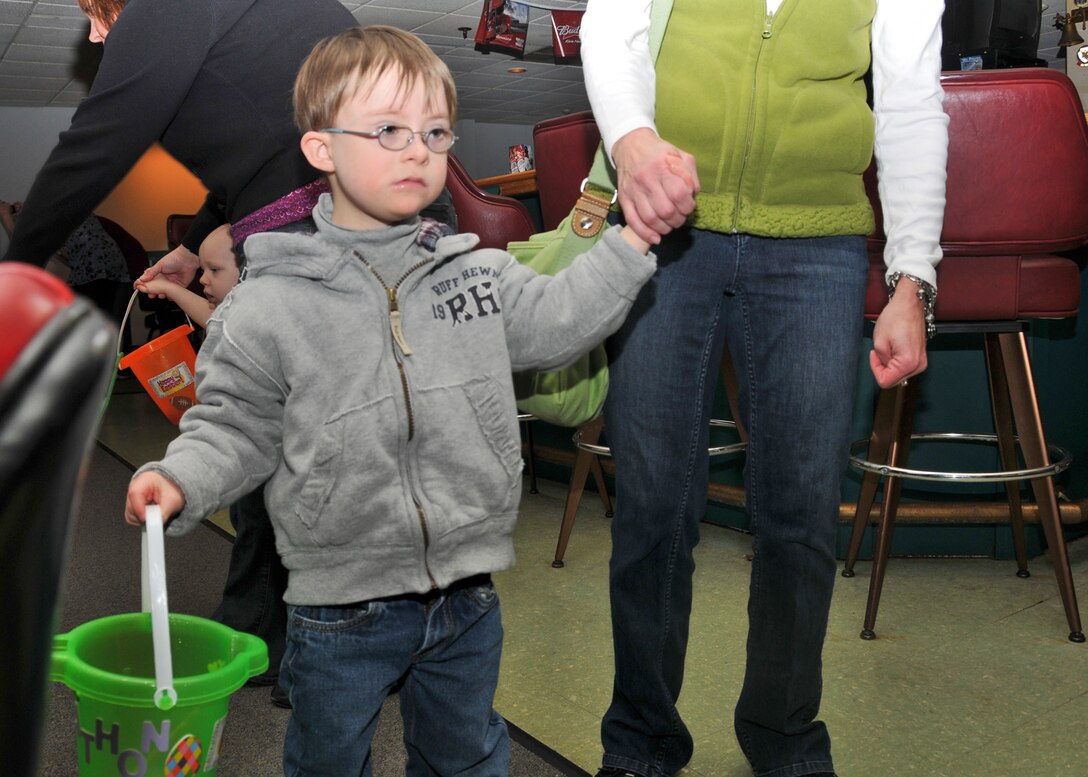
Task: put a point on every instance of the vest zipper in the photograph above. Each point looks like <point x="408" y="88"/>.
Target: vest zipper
<point x="400" y="343"/>
<point x="765" y="35"/>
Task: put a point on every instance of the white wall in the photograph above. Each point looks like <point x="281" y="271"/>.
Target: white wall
<point x="484" y="149"/>
<point x="27" y="135"/>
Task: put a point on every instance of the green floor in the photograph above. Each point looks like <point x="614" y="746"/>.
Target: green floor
<point x="971" y="674"/>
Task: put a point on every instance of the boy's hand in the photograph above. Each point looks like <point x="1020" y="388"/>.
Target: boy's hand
<point x="636" y="242"/>
<point x="151" y="488"/>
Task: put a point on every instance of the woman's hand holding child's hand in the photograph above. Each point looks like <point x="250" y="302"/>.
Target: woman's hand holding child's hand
<point x="152" y="488"/>
<point x="657" y="186"/>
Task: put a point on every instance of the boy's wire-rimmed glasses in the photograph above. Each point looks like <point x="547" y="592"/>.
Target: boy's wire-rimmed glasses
<point x="394" y="138"/>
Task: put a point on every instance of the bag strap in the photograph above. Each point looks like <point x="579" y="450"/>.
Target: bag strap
<point x="602" y="176"/>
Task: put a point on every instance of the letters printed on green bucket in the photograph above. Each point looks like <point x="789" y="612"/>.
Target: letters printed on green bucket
<point x="109" y="664"/>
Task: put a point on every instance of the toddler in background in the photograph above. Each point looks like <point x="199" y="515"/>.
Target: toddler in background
<point x="221" y="269"/>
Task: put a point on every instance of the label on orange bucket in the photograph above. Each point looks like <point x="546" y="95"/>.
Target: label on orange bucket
<point x="172" y="380"/>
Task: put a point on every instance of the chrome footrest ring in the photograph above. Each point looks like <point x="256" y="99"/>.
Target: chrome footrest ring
<point x="713" y="450"/>
<point x="1060" y="461"/>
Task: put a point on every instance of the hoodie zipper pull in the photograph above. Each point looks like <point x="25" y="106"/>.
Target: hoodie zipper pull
<point x="394" y="322"/>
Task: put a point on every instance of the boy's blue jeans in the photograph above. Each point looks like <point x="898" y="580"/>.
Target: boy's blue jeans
<point x="440" y="651"/>
<point x="791" y="311"/>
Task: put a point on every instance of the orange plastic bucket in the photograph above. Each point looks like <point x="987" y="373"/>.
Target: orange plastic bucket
<point x="166" y="368"/>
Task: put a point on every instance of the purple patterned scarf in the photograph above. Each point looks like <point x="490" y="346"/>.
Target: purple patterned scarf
<point x="291" y="207"/>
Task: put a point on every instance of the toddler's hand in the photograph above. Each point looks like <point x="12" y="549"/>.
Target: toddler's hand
<point x="160" y="287"/>
<point x="151" y="488"/>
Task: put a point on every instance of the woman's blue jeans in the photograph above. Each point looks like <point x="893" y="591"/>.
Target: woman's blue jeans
<point x="440" y="651"/>
<point x="791" y="312"/>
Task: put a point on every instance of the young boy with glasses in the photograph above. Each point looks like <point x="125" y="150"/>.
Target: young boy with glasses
<point x="365" y="373"/>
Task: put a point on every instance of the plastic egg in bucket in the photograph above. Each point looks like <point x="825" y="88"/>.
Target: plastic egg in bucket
<point x="153" y="689"/>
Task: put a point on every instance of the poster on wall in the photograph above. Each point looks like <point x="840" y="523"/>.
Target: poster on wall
<point x="503" y="27"/>
<point x="521" y="158"/>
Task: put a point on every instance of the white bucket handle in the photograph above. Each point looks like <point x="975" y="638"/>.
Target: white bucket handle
<point x="124" y="320"/>
<point x="153" y="579"/>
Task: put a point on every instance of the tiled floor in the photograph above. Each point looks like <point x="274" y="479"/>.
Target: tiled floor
<point x="971" y="674"/>
<point x="135" y="429"/>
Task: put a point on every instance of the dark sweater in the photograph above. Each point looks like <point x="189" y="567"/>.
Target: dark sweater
<point x="211" y="81"/>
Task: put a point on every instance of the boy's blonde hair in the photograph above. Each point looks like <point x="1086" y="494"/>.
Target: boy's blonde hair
<point x="338" y="65"/>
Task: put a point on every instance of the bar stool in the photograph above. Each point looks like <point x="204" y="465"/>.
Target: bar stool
<point x="1005" y="214"/>
<point x="526" y="419"/>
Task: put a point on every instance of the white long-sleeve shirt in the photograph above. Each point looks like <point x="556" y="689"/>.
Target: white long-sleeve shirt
<point x="911" y="130"/>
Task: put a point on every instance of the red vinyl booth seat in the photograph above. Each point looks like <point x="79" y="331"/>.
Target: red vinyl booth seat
<point x="993" y="288"/>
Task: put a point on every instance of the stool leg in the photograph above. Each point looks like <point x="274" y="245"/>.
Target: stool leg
<point x="528" y="427"/>
<point x="887" y="403"/>
<point x="732" y="391"/>
<point x="1029" y="424"/>
<point x="1006" y="446"/>
<point x="602" y="490"/>
<point x="590" y="432"/>
<point x="902" y="424"/>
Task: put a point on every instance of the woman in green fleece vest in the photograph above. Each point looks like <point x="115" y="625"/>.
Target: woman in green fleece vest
<point x="749" y="135"/>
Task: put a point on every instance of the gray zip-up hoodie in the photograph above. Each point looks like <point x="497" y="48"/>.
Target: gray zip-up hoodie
<point x="366" y="377"/>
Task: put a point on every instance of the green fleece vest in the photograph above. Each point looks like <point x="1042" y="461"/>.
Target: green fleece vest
<point x="774" y="110"/>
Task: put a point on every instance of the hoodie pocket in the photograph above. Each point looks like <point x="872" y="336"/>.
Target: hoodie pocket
<point x="469" y="453"/>
<point x="353" y="493"/>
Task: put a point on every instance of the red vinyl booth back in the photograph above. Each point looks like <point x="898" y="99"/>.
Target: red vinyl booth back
<point x="563" y="148"/>
<point x="1017" y="184"/>
<point x="497" y="220"/>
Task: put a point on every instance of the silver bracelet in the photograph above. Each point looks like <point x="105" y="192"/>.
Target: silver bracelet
<point x="926" y="293"/>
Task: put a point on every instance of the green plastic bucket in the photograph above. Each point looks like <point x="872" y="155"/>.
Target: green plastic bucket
<point x="139" y="716"/>
<point x="110" y="666"/>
